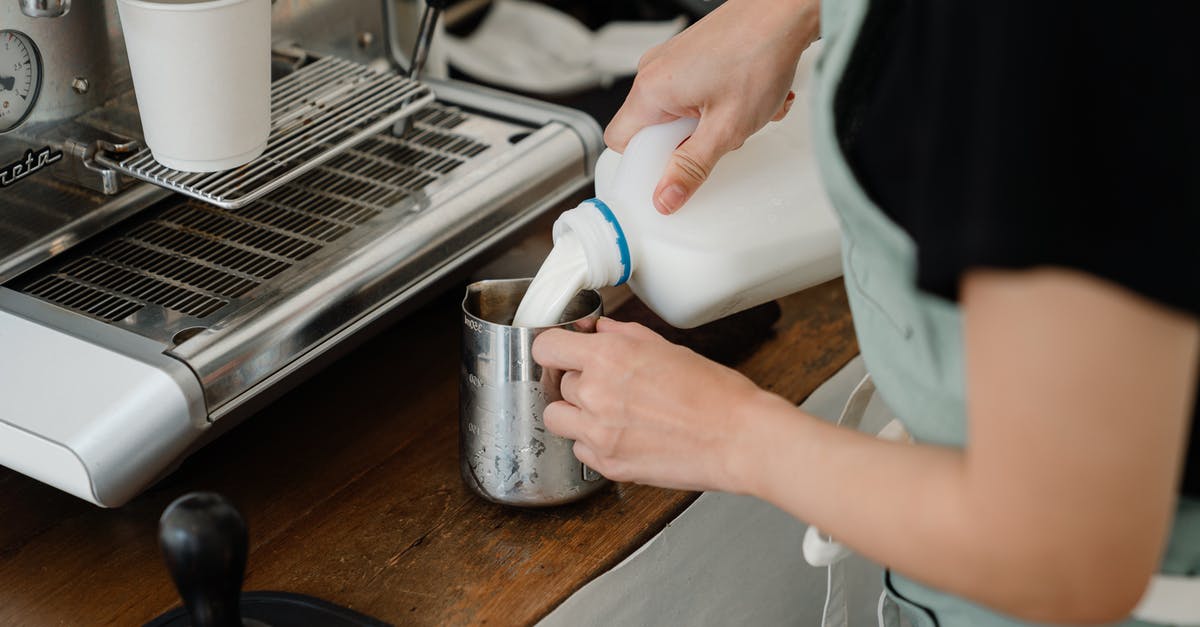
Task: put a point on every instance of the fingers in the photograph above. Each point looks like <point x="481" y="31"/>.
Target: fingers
<point x="585" y="454"/>
<point x="635" y="114"/>
<point x="785" y="107"/>
<point x="562" y="349"/>
<point x="567" y="421"/>
<point x="631" y="329"/>
<point x="564" y="419"/>
<point x="692" y="162"/>
<point x="650" y="55"/>
<point x="569" y="388"/>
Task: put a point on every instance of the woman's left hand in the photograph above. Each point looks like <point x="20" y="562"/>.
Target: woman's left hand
<point x="642" y="409"/>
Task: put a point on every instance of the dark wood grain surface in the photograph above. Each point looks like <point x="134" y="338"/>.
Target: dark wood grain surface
<point x="351" y="490"/>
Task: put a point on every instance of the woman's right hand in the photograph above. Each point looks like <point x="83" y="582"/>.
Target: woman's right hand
<point x="733" y="70"/>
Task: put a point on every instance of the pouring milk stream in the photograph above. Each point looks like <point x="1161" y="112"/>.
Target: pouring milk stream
<point x="562" y="275"/>
<point x="737" y="243"/>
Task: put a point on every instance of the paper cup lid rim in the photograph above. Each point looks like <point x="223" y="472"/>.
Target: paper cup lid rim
<point x="186" y="5"/>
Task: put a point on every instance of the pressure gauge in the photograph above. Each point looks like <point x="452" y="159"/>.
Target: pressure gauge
<point x="20" y="78"/>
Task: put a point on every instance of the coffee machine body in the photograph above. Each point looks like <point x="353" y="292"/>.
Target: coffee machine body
<point x="140" y="318"/>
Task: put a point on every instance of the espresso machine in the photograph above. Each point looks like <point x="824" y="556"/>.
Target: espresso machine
<point x="144" y="311"/>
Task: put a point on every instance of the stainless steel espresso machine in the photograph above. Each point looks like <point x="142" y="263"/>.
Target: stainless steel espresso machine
<point x="145" y="311"/>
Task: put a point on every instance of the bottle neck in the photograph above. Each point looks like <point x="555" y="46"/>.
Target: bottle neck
<point x="603" y="240"/>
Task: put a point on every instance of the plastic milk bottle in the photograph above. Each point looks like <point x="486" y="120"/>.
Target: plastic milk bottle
<point x="743" y="239"/>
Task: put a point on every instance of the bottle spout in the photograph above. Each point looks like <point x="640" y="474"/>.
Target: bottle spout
<point x="599" y="233"/>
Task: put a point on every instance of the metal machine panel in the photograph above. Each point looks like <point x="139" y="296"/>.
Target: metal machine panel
<point x="137" y="324"/>
<point x="100" y="418"/>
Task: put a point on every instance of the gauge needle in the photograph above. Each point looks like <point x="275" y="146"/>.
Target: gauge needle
<point x="7" y="82"/>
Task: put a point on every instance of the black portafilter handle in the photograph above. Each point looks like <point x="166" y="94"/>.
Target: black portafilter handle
<point x="204" y="541"/>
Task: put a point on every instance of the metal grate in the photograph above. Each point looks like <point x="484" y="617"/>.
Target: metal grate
<point x="86" y="299"/>
<point x="316" y="113"/>
<point x="193" y="258"/>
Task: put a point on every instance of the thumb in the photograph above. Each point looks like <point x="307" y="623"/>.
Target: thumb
<point x="692" y="162"/>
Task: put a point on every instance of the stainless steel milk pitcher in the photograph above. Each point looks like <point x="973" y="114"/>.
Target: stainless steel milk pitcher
<point x="505" y="452"/>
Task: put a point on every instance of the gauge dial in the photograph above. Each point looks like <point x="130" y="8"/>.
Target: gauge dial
<point x="20" y="78"/>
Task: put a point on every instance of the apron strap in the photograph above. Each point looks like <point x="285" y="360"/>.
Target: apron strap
<point x="836" y="612"/>
<point x="856" y="406"/>
<point x="888" y="611"/>
<point x="821" y="550"/>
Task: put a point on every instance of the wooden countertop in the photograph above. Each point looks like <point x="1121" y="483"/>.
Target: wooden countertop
<point x="351" y="490"/>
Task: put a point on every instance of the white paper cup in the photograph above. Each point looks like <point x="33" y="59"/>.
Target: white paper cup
<point x="202" y="78"/>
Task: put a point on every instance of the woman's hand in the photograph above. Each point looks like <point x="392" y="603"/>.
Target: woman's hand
<point x="642" y="409"/>
<point x="732" y="70"/>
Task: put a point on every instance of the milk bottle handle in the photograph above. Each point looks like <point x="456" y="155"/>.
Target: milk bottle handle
<point x="646" y="157"/>
<point x="606" y="172"/>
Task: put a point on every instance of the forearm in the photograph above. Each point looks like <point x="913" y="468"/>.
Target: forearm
<point x="786" y="26"/>
<point x="915" y="508"/>
<point x="891" y="502"/>
<point x="796" y="21"/>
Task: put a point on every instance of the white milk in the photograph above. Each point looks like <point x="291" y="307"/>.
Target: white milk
<point x="562" y="275"/>
<point x="760" y="228"/>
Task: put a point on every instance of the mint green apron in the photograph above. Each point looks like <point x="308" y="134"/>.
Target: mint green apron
<point x="911" y="341"/>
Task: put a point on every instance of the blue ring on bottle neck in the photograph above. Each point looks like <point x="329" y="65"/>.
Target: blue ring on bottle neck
<point x="622" y="243"/>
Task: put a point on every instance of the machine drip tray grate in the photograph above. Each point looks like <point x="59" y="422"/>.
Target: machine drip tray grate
<point x="317" y="113"/>
<point x="178" y="265"/>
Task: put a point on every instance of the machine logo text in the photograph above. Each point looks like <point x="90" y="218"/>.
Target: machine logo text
<point x="30" y="163"/>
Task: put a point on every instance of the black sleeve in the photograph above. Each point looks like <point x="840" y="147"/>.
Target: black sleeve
<point x="1026" y="133"/>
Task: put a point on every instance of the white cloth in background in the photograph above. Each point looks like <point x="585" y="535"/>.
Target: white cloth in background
<point x="533" y="48"/>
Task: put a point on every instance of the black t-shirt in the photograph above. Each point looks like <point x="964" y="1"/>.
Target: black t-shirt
<point x="1027" y="133"/>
